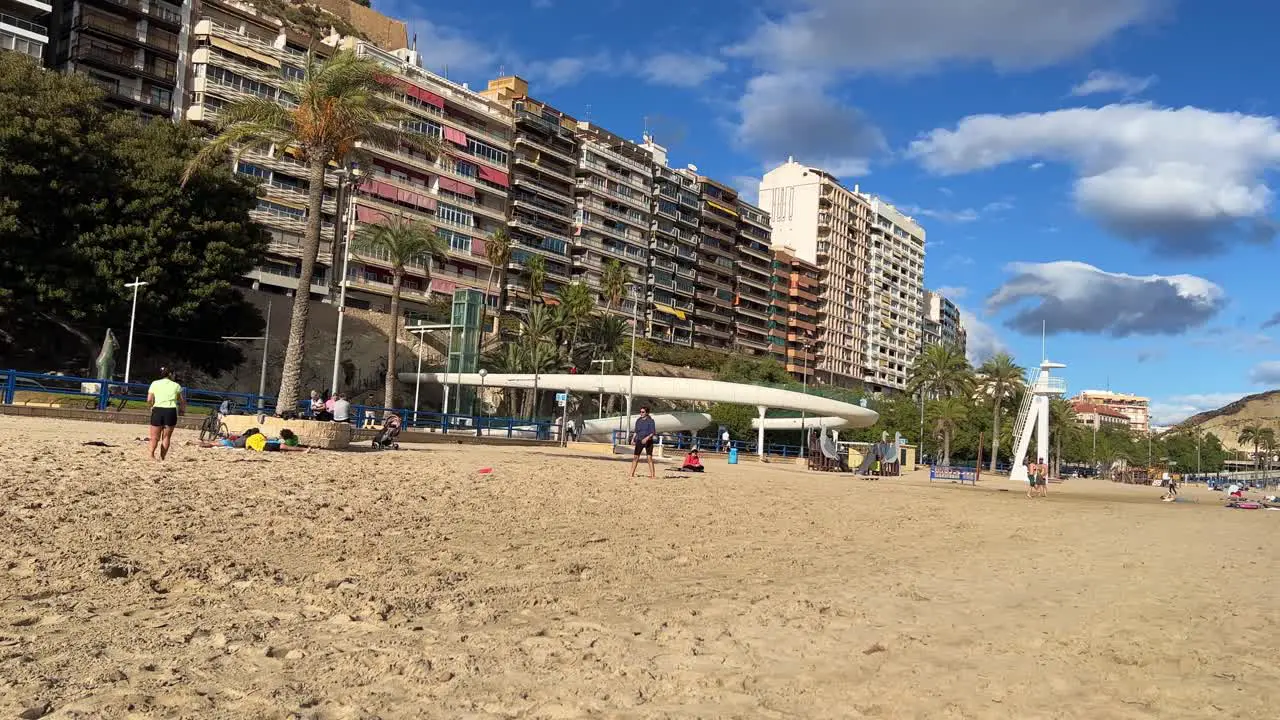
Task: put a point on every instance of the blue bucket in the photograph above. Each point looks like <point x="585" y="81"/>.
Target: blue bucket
<point x="733" y="456"/>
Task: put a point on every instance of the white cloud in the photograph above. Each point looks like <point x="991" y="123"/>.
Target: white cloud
<point x="1036" y="165"/>
<point x="793" y="115"/>
<point x="1186" y="180"/>
<point x="1265" y="373"/>
<point x="1272" y="321"/>
<point x="981" y="340"/>
<point x="1174" y="409"/>
<point x="1106" y="81"/>
<point x="748" y="187"/>
<point x="1077" y="297"/>
<point x="442" y="47"/>
<point x="953" y="293"/>
<point x="908" y="35"/>
<point x="564" y="71"/>
<point x="681" y="69"/>
<point x="963" y="215"/>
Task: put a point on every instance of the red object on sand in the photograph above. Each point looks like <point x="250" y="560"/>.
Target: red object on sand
<point x="485" y="471"/>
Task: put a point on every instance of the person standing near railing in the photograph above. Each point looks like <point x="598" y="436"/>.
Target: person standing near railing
<point x="167" y="403"/>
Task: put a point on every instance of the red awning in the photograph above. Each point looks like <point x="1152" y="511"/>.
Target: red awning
<point x="370" y="216"/>
<point x="457" y="137"/>
<point x="478" y="246"/>
<point x="443" y="286"/>
<point x="457" y="187"/>
<point x="494" y="176"/>
<point x="425" y="96"/>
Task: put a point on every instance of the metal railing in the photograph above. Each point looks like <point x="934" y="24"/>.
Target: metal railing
<point x="24" y="24"/>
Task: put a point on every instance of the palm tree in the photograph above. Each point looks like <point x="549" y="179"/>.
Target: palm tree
<point x="537" y="269"/>
<point x="498" y="252"/>
<point x="942" y="371"/>
<point x="1062" y="419"/>
<point x="1267" y="443"/>
<point x="614" y="282"/>
<point x="400" y="242"/>
<point x="537" y="346"/>
<point x="1252" y="434"/>
<point x="576" y="303"/>
<point x="1001" y="379"/>
<point x="947" y="415"/>
<point x="340" y="107"/>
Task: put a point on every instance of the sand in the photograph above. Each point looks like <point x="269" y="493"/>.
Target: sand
<point x="224" y="584"/>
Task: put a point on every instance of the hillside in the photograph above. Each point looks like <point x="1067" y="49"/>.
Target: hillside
<point x="1225" y="422"/>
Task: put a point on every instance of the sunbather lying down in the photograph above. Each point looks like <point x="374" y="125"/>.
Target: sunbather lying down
<point x="253" y="439"/>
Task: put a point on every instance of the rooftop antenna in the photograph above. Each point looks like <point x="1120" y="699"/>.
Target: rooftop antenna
<point x="415" y="42"/>
<point x="1043" y="354"/>
<point x="588" y="112"/>
<point x="502" y="71"/>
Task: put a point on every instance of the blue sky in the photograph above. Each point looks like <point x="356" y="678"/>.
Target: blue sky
<point x="1103" y="168"/>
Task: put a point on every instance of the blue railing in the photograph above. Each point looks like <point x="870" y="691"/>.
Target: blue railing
<point x="686" y="442"/>
<point x="100" y="394"/>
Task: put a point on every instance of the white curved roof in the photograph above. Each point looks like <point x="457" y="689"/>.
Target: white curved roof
<point x="842" y="414"/>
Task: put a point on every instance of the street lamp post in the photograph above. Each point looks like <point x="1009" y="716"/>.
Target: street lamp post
<point x="804" y="384"/>
<point x="417" y="381"/>
<point x="266" y="343"/>
<point x="347" y="177"/>
<point x="602" y="363"/>
<point x="631" y="373"/>
<point x="133" y="314"/>
<point x="483" y="373"/>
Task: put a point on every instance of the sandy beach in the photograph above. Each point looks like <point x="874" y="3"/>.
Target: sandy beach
<point x="227" y="584"/>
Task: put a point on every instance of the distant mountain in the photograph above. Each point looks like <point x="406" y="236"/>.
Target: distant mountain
<point x="1227" y="421"/>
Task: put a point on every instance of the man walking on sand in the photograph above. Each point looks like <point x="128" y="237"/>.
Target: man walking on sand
<point x="167" y="403"/>
<point x="645" y="432"/>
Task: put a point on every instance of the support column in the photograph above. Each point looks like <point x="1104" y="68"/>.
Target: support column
<point x="1042" y="429"/>
<point x="760" y="432"/>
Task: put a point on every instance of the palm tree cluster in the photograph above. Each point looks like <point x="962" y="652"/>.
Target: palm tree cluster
<point x="1263" y="440"/>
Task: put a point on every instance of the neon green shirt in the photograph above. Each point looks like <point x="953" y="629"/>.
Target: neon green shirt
<point x="165" y="392"/>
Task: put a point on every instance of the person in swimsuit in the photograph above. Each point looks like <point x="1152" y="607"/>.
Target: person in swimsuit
<point x="167" y="403"/>
<point x="645" y="432"/>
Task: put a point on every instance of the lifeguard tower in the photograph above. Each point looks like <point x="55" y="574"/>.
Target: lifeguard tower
<point x="1033" y="416"/>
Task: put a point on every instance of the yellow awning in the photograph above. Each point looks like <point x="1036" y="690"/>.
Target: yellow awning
<point x="669" y="310"/>
<point x="722" y="208"/>
<point x="242" y="51"/>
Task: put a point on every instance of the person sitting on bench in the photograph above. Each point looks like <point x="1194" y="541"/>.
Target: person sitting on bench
<point x="692" y="463"/>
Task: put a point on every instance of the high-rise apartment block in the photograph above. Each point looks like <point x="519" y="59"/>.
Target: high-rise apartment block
<point x="793" y="311"/>
<point x="133" y="49"/>
<point x="673" y="242"/>
<point x="940" y="322"/>
<point x="872" y="262"/>
<point x="754" y="282"/>
<point x="24" y="27"/>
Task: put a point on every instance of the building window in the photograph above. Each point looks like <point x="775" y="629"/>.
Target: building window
<point x="455" y="216"/>
<point x="229" y="79"/>
<point x="289" y="72"/>
<point x="245" y="168"/>
<point x="423" y="127"/>
<point x="281" y="211"/>
<point x="457" y="241"/>
<point x="479" y="149"/>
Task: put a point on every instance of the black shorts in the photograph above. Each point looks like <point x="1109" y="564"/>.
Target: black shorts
<point x="164" y="417"/>
<point x="646" y="447"/>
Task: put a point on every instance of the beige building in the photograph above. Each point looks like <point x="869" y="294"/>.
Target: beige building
<point x="1134" y="407"/>
<point x="871" y="260"/>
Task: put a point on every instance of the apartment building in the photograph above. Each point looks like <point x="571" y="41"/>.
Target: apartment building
<point x="24" y="27"/>
<point x="542" y="209"/>
<point x="614" y="198"/>
<point x="871" y="259"/>
<point x="133" y="49"/>
<point x="793" y="311"/>
<point x="673" y="242"/>
<point x="940" y="322"/>
<point x="1134" y="407"/>
<point x="462" y="191"/>
<point x="1098" y="416"/>
<point x="716" y="283"/>
<point x="753" y="282"/>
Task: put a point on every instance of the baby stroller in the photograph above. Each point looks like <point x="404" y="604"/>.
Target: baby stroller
<point x="386" y="437"/>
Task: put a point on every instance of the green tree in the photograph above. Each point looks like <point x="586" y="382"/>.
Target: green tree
<point x="613" y="283"/>
<point x="1267" y="444"/>
<point x="497" y="250"/>
<point x="941" y="371"/>
<point x="999" y="379"/>
<point x="946" y="415"/>
<point x="89" y="200"/>
<point x="400" y="242"/>
<point x="1252" y="434"/>
<point x="341" y="106"/>
<point x="576" y="303"/>
<point x="536" y="267"/>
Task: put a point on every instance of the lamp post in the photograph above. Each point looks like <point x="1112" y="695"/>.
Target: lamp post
<point x="417" y="381"/>
<point x="483" y="373"/>
<point x="266" y="343"/>
<point x="804" y="384"/>
<point x="602" y="363"/>
<point x="133" y="314"/>
<point x="631" y="373"/>
<point x="348" y="178"/>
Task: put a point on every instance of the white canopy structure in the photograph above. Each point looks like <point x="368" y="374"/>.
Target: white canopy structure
<point x="828" y="414"/>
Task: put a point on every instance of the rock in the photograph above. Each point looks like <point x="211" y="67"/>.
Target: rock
<point x="294" y="655"/>
<point x="36" y="711"/>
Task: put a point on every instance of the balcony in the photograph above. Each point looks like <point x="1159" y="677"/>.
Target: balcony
<point x="545" y="168"/>
<point x="713" y="331"/>
<point x="557" y="193"/>
<point x="27" y="25"/>
<point x="544" y="147"/>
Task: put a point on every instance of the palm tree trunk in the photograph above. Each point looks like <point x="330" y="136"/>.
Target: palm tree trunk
<point x="995" y="433"/>
<point x="393" y="340"/>
<point x="291" y="372"/>
<point x="946" y="448"/>
<point x="488" y="288"/>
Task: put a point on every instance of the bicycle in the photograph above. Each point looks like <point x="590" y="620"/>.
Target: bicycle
<point x="212" y="428"/>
